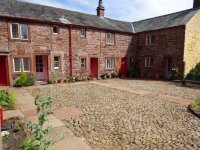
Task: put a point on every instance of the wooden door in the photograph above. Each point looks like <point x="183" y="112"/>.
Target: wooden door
<point x="94" y="67"/>
<point x="3" y="71"/>
<point x="123" y="66"/>
<point x="41" y="68"/>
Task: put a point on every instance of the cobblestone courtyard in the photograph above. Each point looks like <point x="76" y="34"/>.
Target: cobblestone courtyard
<point x="119" y="120"/>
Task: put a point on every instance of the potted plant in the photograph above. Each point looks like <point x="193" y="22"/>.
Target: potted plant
<point x="149" y="75"/>
<point x="157" y="76"/>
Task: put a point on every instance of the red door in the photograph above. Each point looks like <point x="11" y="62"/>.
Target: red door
<point x="3" y="71"/>
<point x="123" y="66"/>
<point x="94" y="67"/>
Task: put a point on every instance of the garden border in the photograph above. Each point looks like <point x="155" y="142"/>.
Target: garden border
<point x="193" y="111"/>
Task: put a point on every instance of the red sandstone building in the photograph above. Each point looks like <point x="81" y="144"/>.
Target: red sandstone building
<point x="46" y="41"/>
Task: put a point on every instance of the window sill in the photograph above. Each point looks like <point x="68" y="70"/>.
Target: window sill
<point x="20" y="40"/>
<point x="110" y="44"/>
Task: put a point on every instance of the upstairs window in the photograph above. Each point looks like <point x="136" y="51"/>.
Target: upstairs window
<point x="150" y="39"/>
<point x="110" y="38"/>
<point x="19" y="31"/>
<point x="148" y="62"/>
<point x="110" y="63"/>
<point x="56" y="62"/>
<point x="83" y="33"/>
<point x="56" y="29"/>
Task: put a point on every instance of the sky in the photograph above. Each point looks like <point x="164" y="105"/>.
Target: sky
<point x="125" y="10"/>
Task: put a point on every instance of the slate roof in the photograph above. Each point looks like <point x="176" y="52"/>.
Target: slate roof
<point x="13" y="8"/>
<point x="166" y="21"/>
<point x="45" y="13"/>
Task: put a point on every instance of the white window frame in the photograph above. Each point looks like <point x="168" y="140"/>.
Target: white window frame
<point x="19" y="31"/>
<point x="148" y="62"/>
<point x="149" y="40"/>
<point x="112" y="63"/>
<point x="109" y="42"/>
<point x="84" y="63"/>
<point x="22" y="59"/>
<point x="11" y="30"/>
<point x="83" y="31"/>
<point x="59" y="63"/>
<point x="20" y="26"/>
<point x="19" y="64"/>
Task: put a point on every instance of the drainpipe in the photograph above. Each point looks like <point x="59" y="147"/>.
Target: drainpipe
<point x="70" y="49"/>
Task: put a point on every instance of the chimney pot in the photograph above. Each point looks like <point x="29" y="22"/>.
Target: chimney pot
<point x="100" y="9"/>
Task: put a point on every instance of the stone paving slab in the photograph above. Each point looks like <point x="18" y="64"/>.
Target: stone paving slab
<point x="52" y="121"/>
<point x="67" y="113"/>
<point x="13" y="114"/>
<point x="178" y="100"/>
<point x="70" y="144"/>
<point x="29" y="113"/>
<point x="60" y="133"/>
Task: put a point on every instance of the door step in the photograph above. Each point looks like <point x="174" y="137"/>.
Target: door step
<point x="41" y="83"/>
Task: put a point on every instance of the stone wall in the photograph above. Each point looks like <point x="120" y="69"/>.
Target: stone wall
<point x="192" y="43"/>
<point x="94" y="46"/>
<point x="42" y="41"/>
<point x="169" y="43"/>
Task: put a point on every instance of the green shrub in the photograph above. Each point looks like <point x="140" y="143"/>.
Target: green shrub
<point x="71" y="79"/>
<point x="52" y="80"/>
<point x="131" y="72"/>
<point x="7" y="99"/>
<point x="30" y="81"/>
<point x="26" y="144"/>
<point x="24" y="80"/>
<point x="194" y="73"/>
<point x="196" y="104"/>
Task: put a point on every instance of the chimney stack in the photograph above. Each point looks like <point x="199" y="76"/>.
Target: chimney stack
<point x="100" y="9"/>
<point x="196" y="4"/>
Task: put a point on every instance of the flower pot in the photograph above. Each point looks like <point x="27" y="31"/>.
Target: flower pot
<point x="142" y="75"/>
<point x="149" y="76"/>
<point x="157" y="77"/>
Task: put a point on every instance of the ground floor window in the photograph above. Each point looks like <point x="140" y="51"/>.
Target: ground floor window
<point x="110" y="63"/>
<point x="83" y="63"/>
<point x="149" y="62"/>
<point x="56" y="62"/>
<point x="21" y="64"/>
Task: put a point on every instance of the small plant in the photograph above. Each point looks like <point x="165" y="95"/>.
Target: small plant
<point x="194" y="73"/>
<point x="26" y="143"/>
<point x="40" y="141"/>
<point x="30" y="81"/>
<point x="196" y="104"/>
<point x="24" y="80"/>
<point x="175" y="73"/>
<point x="52" y="80"/>
<point x="7" y="99"/>
<point x="131" y="72"/>
<point x="21" y="80"/>
<point x="71" y="79"/>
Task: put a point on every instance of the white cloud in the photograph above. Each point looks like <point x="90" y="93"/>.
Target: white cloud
<point x="127" y="10"/>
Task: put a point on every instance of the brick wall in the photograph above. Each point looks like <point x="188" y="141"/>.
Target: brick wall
<point x="192" y="43"/>
<point x="169" y="43"/>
